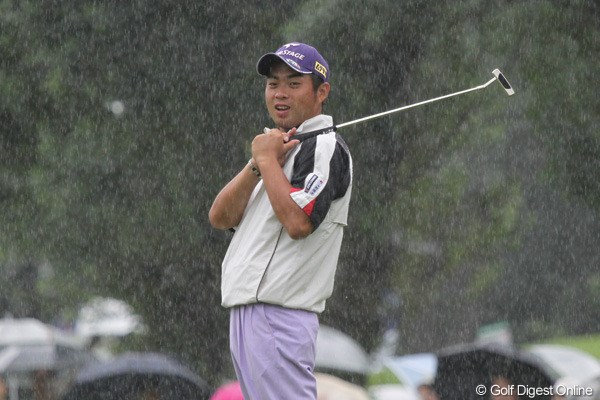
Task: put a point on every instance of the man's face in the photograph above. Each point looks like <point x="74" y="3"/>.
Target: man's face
<point x="291" y="98"/>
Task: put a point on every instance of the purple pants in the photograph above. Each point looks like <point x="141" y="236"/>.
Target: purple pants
<point x="273" y="351"/>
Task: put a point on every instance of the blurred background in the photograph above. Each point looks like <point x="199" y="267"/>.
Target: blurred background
<point x="120" y="122"/>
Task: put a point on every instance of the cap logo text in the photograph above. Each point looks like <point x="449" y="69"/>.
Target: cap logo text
<point x="293" y="63"/>
<point x="299" y="56"/>
<point x="320" y="68"/>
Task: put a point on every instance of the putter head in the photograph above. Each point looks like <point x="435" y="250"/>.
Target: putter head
<point x="502" y="79"/>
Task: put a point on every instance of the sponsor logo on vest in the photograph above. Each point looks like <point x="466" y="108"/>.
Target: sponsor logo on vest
<point x="313" y="185"/>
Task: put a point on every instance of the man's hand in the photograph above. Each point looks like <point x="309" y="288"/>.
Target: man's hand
<point x="269" y="151"/>
<point x="273" y="145"/>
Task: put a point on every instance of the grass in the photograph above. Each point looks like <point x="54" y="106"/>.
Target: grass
<point x="587" y="343"/>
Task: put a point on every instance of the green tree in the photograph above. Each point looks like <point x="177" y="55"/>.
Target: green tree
<point x="117" y="201"/>
<point x="490" y="201"/>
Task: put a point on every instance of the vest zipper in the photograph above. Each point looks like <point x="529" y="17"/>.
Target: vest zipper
<point x="262" y="278"/>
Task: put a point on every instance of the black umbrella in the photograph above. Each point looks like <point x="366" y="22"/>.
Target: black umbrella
<point x="462" y="370"/>
<point x="138" y="376"/>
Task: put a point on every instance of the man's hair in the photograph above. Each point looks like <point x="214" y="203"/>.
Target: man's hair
<point x="316" y="81"/>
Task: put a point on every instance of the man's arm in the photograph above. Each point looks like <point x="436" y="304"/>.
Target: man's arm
<point x="269" y="151"/>
<point x="229" y="205"/>
<point x="294" y="220"/>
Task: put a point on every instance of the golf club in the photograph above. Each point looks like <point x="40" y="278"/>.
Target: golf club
<point x="497" y="76"/>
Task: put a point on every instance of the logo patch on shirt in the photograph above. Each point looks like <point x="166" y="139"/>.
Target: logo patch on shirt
<point x="313" y="185"/>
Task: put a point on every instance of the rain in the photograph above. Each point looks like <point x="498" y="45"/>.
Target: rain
<point x="474" y="223"/>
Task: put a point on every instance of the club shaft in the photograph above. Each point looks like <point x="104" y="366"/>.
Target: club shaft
<point x="367" y="118"/>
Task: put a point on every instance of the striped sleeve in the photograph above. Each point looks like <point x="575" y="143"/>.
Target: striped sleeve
<point x="321" y="175"/>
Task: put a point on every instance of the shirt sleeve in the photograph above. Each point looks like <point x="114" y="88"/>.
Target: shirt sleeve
<point x="321" y="175"/>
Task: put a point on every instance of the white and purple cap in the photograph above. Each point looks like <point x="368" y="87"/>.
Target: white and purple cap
<point x="300" y="57"/>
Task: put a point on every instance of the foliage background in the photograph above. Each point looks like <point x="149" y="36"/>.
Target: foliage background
<point x="478" y="209"/>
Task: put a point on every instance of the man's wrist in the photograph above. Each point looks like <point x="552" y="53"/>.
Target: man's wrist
<point x="264" y="163"/>
<point x="254" y="168"/>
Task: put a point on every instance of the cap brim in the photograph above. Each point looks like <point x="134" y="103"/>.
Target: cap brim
<point x="263" y="67"/>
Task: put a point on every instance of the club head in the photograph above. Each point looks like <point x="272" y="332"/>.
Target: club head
<point x="502" y="79"/>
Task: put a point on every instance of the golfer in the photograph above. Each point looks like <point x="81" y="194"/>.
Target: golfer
<point x="288" y="207"/>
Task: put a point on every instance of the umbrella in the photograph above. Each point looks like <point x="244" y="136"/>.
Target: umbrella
<point x="328" y="388"/>
<point x="413" y="369"/>
<point x="337" y="351"/>
<point x="461" y="369"/>
<point x="107" y="317"/>
<point x="228" y="391"/>
<point x="333" y="388"/>
<point x="28" y="345"/>
<point x="567" y="361"/>
<point x="7" y="356"/>
<point x="138" y="376"/>
<point x="393" y="392"/>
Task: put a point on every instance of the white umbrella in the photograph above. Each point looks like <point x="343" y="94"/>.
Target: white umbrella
<point x="414" y="369"/>
<point x="7" y="356"/>
<point x="338" y="351"/>
<point x="567" y="361"/>
<point x="393" y="392"/>
<point x="107" y="317"/>
<point x="28" y="344"/>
